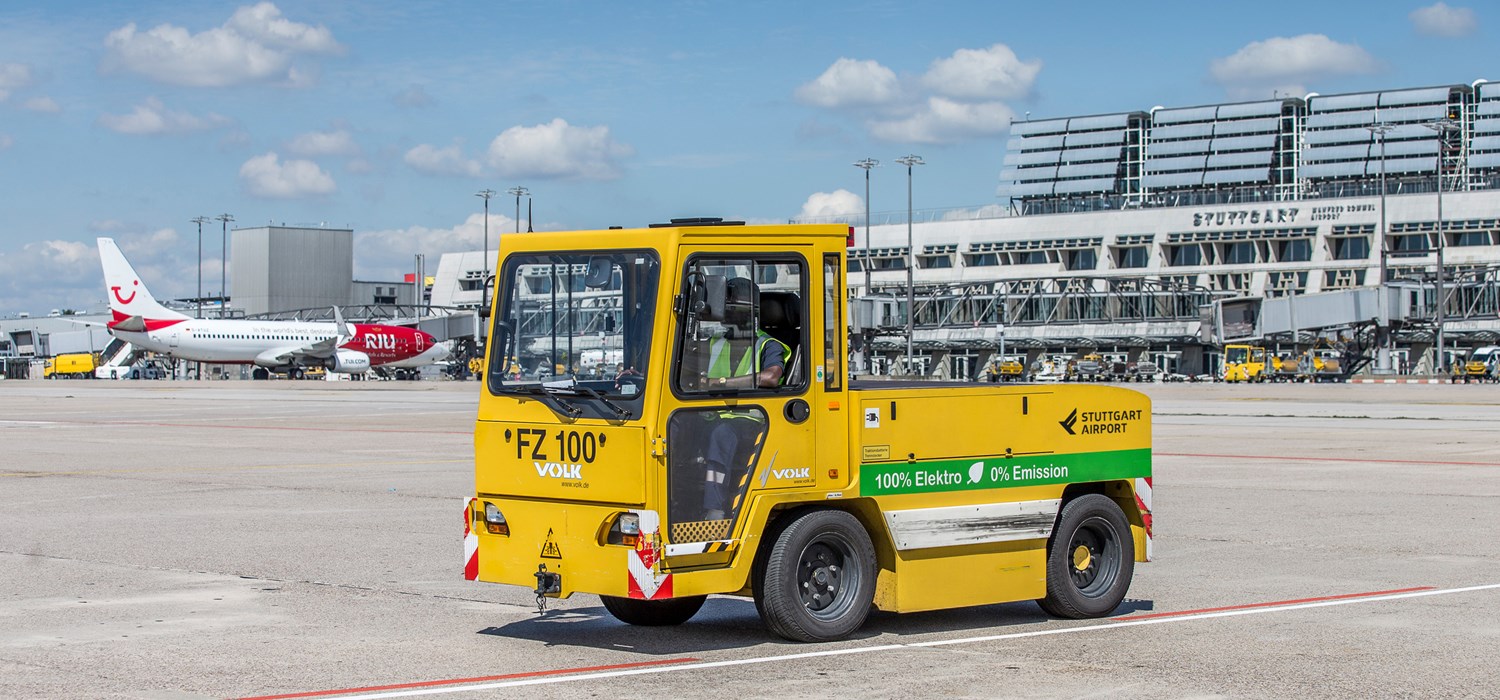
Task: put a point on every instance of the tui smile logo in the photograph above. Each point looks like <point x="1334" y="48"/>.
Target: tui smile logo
<point x="1068" y="423"/>
<point x="122" y="299"/>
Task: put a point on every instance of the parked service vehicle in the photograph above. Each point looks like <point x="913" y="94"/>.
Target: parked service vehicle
<point x="77" y="365"/>
<point x="1321" y="365"/>
<point x="1143" y="371"/>
<point x="1483" y="365"/>
<point x="732" y="454"/>
<point x="1090" y="368"/>
<point x="1244" y="363"/>
<point x="1012" y="368"/>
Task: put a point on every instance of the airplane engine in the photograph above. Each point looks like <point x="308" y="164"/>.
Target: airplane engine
<point x="350" y="362"/>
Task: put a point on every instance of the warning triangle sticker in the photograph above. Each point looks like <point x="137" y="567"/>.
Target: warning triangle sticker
<point x="549" y="547"/>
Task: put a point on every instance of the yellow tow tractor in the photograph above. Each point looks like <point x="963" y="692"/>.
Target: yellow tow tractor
<point x="732" y="455"/>
<point x="1244" y="363"/>
<point x="1012" y="368"/>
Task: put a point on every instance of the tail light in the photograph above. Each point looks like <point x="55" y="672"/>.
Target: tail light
<point x="494" y="520"/>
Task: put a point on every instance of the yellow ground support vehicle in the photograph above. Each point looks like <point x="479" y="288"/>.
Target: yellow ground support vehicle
<point x="1012" y="368"/>
<point x="77" y="365"/>
<point x="1244" y="363"/>
<point x="1483" y="365"/>
<point x="731" y="454"/>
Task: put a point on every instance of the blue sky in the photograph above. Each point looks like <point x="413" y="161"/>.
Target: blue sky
<point x="130" y="119"/>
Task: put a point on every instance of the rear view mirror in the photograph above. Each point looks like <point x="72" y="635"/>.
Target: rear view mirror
<point x="600" y="272"/>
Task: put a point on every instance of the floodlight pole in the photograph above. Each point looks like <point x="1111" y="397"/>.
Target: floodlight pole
<point x="224" y="220"/>
<point x="519" y="192"/>
<point x="1442" y="127"/>
<point x="911" y="262"/>
<point x="865" y="165"/>
<point x="200" y="220"/>
<point x="484" y="287"/>
<point x="1383" y="353"/>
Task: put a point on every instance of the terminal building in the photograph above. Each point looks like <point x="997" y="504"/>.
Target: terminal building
<point x="1120" y="229"/>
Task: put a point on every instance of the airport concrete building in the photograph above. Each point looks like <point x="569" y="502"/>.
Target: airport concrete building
<point x="277" y="269"/>
<point x="1117" y="230"/>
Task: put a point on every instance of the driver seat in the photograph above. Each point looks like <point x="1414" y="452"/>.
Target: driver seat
<point x="781" y="318"/>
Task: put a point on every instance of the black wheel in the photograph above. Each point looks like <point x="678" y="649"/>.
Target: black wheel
<point x="1090" y="559"/>
<point x="653" y="613"/>
<point x="819" y="578"/>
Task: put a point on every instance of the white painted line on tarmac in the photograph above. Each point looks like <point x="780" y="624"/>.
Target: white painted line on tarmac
<point x="914" y="645"/>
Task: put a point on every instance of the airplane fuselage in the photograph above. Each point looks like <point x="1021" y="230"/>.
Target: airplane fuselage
<point x="247" y="342"/>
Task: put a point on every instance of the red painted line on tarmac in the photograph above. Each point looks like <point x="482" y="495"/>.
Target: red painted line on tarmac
<point x="478" y="679"/>
<point x="1331" y="459"/>
<point x="265" y="427"/>
<point x="1251" y="606"/>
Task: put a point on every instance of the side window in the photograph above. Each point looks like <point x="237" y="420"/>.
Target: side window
<point x="741" y="325"/>
<point x="833" y="324"/>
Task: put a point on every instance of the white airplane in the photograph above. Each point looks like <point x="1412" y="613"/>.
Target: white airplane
<point x="269" y="345"/>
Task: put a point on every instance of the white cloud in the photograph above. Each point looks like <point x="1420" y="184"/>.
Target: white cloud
<point x="153" y="117"/>
<point x="263" y="22"/>
<point x="267" y="176"/>
<point x="557" y="150"/>
<point x="324" y="143"/>
<point x="851" y="83"/>
<point x="1286" y="64"/>
<point x="943" y="120"/>
<point x="836" y="203"/>
<point x="994" y="73"/>
<point x="56" y="274"/>
<point x="13" y="76"/>
<point x="49" y="274"/>
<point x="42" y="104"/>
<point x="960" y="97"/>
<point x="443" y="161"/>
<point x="1442" y="20"/>
<point x="257" y="44"/>
<point x="386" y="253"/>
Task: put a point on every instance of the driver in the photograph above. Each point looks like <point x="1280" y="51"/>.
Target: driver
<point x="745" y="366"/>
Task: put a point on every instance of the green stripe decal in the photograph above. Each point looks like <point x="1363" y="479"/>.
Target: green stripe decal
<point x="998" y="472"/>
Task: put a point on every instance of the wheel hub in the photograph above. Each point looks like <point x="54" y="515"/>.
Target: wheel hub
<point x="1082" y="558"/>
<point x="821" y="578"/>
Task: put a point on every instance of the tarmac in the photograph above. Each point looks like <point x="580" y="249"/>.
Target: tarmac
<point x="174" y="540"/>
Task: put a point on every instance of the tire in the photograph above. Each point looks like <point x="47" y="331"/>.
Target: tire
<point x="653" y="613"/>
<point x="1090" y="559"/>
<point x="819" y="578"/>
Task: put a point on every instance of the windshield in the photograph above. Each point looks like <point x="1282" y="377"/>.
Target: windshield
<point x="576" y="323"/>
<point x="1236" y="355"/>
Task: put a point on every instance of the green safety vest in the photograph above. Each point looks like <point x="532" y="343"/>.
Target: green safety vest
<point x="719" y="362"/>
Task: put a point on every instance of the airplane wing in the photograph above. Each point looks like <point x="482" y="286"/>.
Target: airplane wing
<point x="296" y="354"/>
<point x="90" y="323"/>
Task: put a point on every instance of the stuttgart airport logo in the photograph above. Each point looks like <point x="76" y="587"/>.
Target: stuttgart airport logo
<point x="1068" y="423"/>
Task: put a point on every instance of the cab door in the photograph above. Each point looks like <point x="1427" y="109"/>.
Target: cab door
<point x="734" y="427"/>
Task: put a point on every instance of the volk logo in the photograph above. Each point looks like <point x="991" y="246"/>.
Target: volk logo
<point x="558" y="470"/>
<point x="803" y="473"/>
<point x="1068" y="423"/>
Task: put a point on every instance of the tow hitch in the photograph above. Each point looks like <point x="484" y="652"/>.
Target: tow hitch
<point x="547" y="583"/>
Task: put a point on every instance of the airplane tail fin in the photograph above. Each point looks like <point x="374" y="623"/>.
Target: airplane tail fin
<point x="128" y="296"/>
